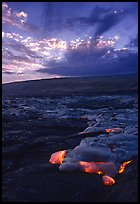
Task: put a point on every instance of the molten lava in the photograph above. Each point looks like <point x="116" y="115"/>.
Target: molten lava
<point x="90" y="167"/>
<point x="122" y="166"/>
<point x="58" y="157"/>
<point x="113" y="130"/>
<point x="107" y="180"/>
<point x="109" y="130"/>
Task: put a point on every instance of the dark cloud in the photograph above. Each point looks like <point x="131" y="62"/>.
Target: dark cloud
<point x="94" y="62"/>
<point x="8" y="72"/>
<point x="88" y="20"/>
<point x="100" y="19"/>
<point x="53" y="19"/>
<point x="103" y="19"/>
<point x="12" y="73"/>
<point x="108" y="21"/>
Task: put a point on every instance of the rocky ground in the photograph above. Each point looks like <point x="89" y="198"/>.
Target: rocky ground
<point x="34" y="128"/>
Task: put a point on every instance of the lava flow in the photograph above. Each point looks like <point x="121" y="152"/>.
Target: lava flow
<point x="107" y="180"/>
<point x="122" y="166"/>
<point x="58" y="157"/>
<point x="90" y="167"/>
<point x="113" y="130"/>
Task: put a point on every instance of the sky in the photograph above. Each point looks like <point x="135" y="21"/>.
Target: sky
<point x="43" y="40"/>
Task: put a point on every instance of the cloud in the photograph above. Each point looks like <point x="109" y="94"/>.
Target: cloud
<point x="8" y="72"/>
<point x="108" y="21"/>
<point x="57" y="57"/>
<point x="89" y="20"/>
<point x="20" y="54"/>
<point x="17" y="57"/>
<point x="94" y="60"/>
<point x="100" y="20"/>
<point x="17" y="19"/>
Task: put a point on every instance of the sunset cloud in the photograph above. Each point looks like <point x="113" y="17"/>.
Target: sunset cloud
<point x="96" y="39"/>
<point x="17" y="19"/>
<point x="55" y="56"/>
<point x="97" y="56"/>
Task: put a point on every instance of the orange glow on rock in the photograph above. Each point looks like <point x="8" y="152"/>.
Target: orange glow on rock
<point x="109" y="130"/>
<point x="122" y="166"/>
<point x="113" y="130"/>
<point x="58" y="157"/>
<point x="89" y="167"/>
<point x="107" y="180"/>
<point x="99" y="172"/>
<point x="99" y="162"/>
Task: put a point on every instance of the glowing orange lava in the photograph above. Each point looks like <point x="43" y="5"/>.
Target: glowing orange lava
<point x="58" y="157"/>
<point x="90" y="167"/>
<point x="113" y="130"/>
<point x="122" y="166"/>
<point x="107" y="180"/>
<point x="109" y="130"/>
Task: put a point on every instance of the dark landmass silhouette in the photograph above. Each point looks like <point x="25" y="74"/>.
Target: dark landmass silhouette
<point x="117" y="84"/>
